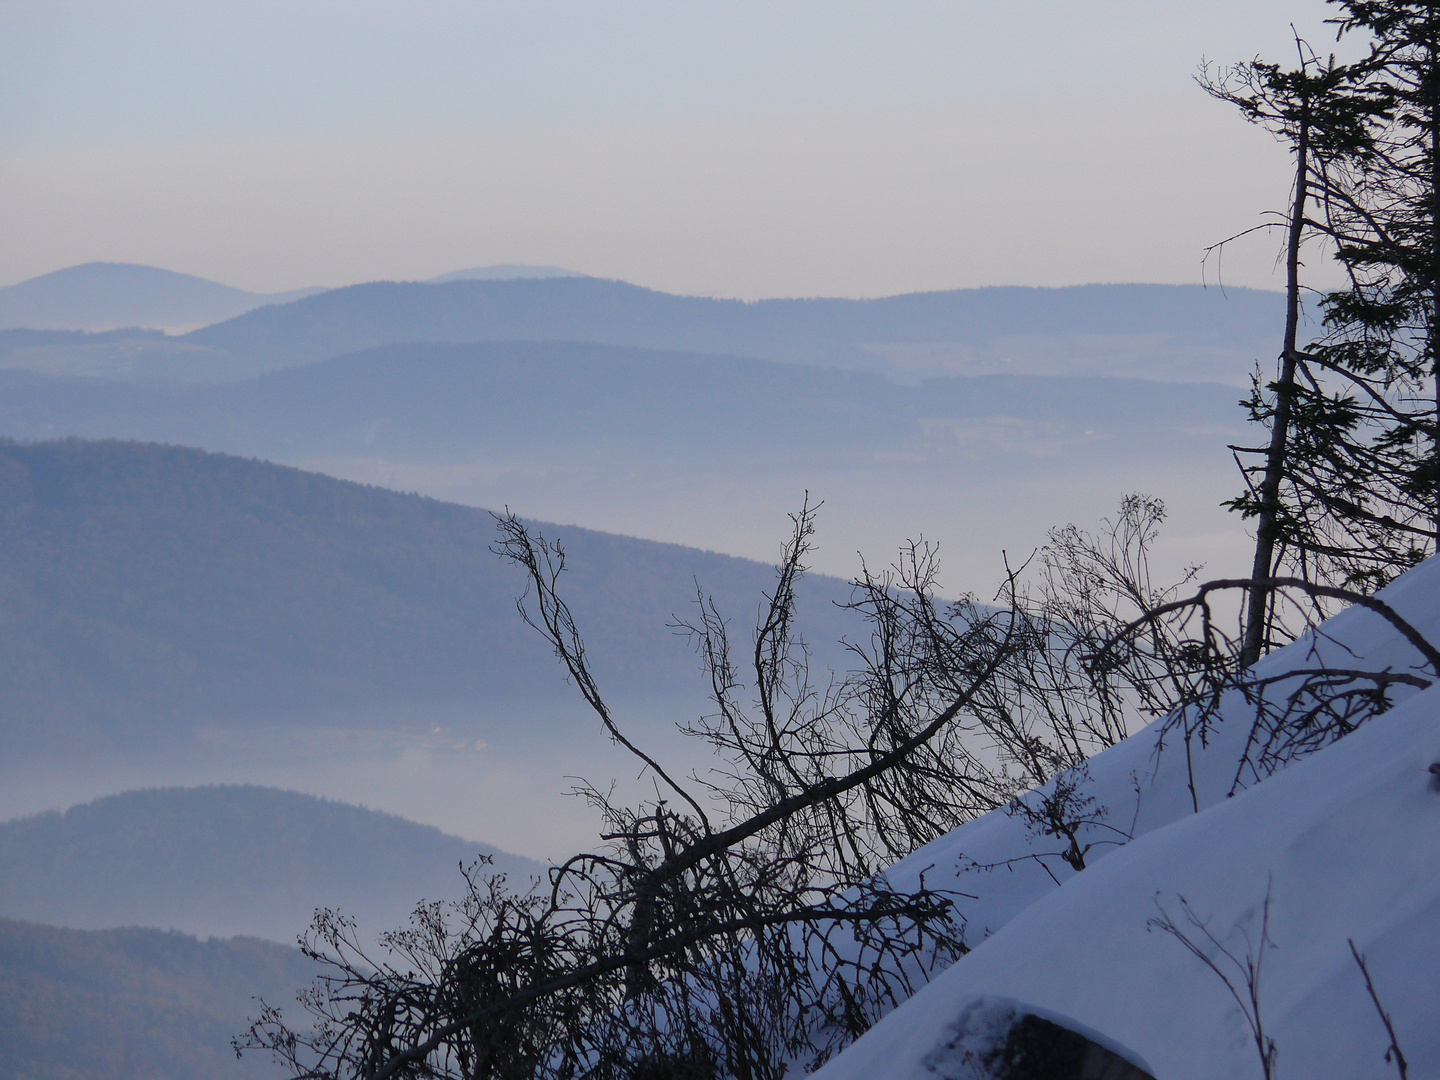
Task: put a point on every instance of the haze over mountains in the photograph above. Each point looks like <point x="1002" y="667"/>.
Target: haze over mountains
<point x="175" y="614"/>
<point x="707" y="451"/>
<point x="1175" y="333"/>
<point x="104" y="296"/>
<point x="637" y="412"/>
<point x="177" y="617"/>
<point x="1164" y="331"/>
<point x="563" y="399"/>
<point x="107" y="1000"/>
<point x="260" y="645"/>
<point x="178" y="596"/>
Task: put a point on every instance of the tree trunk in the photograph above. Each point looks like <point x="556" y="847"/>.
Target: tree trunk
<point x="1432" y="264"/>
<point x="1257" y="615"/>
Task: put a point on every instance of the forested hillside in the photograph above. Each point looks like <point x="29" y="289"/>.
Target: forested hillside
<point x="121" y="1004"/>
<point x="229" y="860"/>
<point x="148" y="589"/>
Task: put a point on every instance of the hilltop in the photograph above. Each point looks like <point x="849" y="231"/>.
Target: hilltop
<point x="103" y="296"/>
<point x="229" y="860"/>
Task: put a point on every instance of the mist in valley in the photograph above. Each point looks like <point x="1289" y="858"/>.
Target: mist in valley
<point x="286" y="348"/>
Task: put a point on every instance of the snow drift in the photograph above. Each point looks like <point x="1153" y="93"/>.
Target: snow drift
<point x="1345" y="844"/>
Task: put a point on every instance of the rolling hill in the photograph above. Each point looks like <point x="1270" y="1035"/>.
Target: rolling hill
<point x="1174" y="333"/>
<point x="147" y="592"/>
<point x="229" y="860"/>
<point x="104" y="296"/>
<point x="1190" y="324"/>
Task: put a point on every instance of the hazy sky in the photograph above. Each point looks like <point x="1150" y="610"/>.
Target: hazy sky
<point x="734" y="149"/>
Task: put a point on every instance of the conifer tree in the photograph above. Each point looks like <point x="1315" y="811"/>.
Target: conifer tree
<point x="1318" y="110"/>
<point x="1371" y="473"/>
<point x="1346" y="490"/>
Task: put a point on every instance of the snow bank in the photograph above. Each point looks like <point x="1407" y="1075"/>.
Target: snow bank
<point x="1347" y="841"/>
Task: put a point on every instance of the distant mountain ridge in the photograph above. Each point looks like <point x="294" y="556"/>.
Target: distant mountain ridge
<point x="228" y="860"/>
<point x="854" y="333"/>
<point x="704" y="450"/>
<point x="580" y="401"/>
<point x="102" y="296"/>
<point x="503" y="272"/>
<point x="1167" y="332"/>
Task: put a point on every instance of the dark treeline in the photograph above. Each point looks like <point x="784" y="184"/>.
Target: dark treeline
<point x="115" y="1004"/>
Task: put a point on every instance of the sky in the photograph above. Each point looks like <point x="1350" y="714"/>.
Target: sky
<point x="733" y="149"/>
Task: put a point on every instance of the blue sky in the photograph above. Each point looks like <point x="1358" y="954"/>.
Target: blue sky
<point x="733" y="148"/>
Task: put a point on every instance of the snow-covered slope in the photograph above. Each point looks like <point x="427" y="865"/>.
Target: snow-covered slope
<point x="1346" y="841"/>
